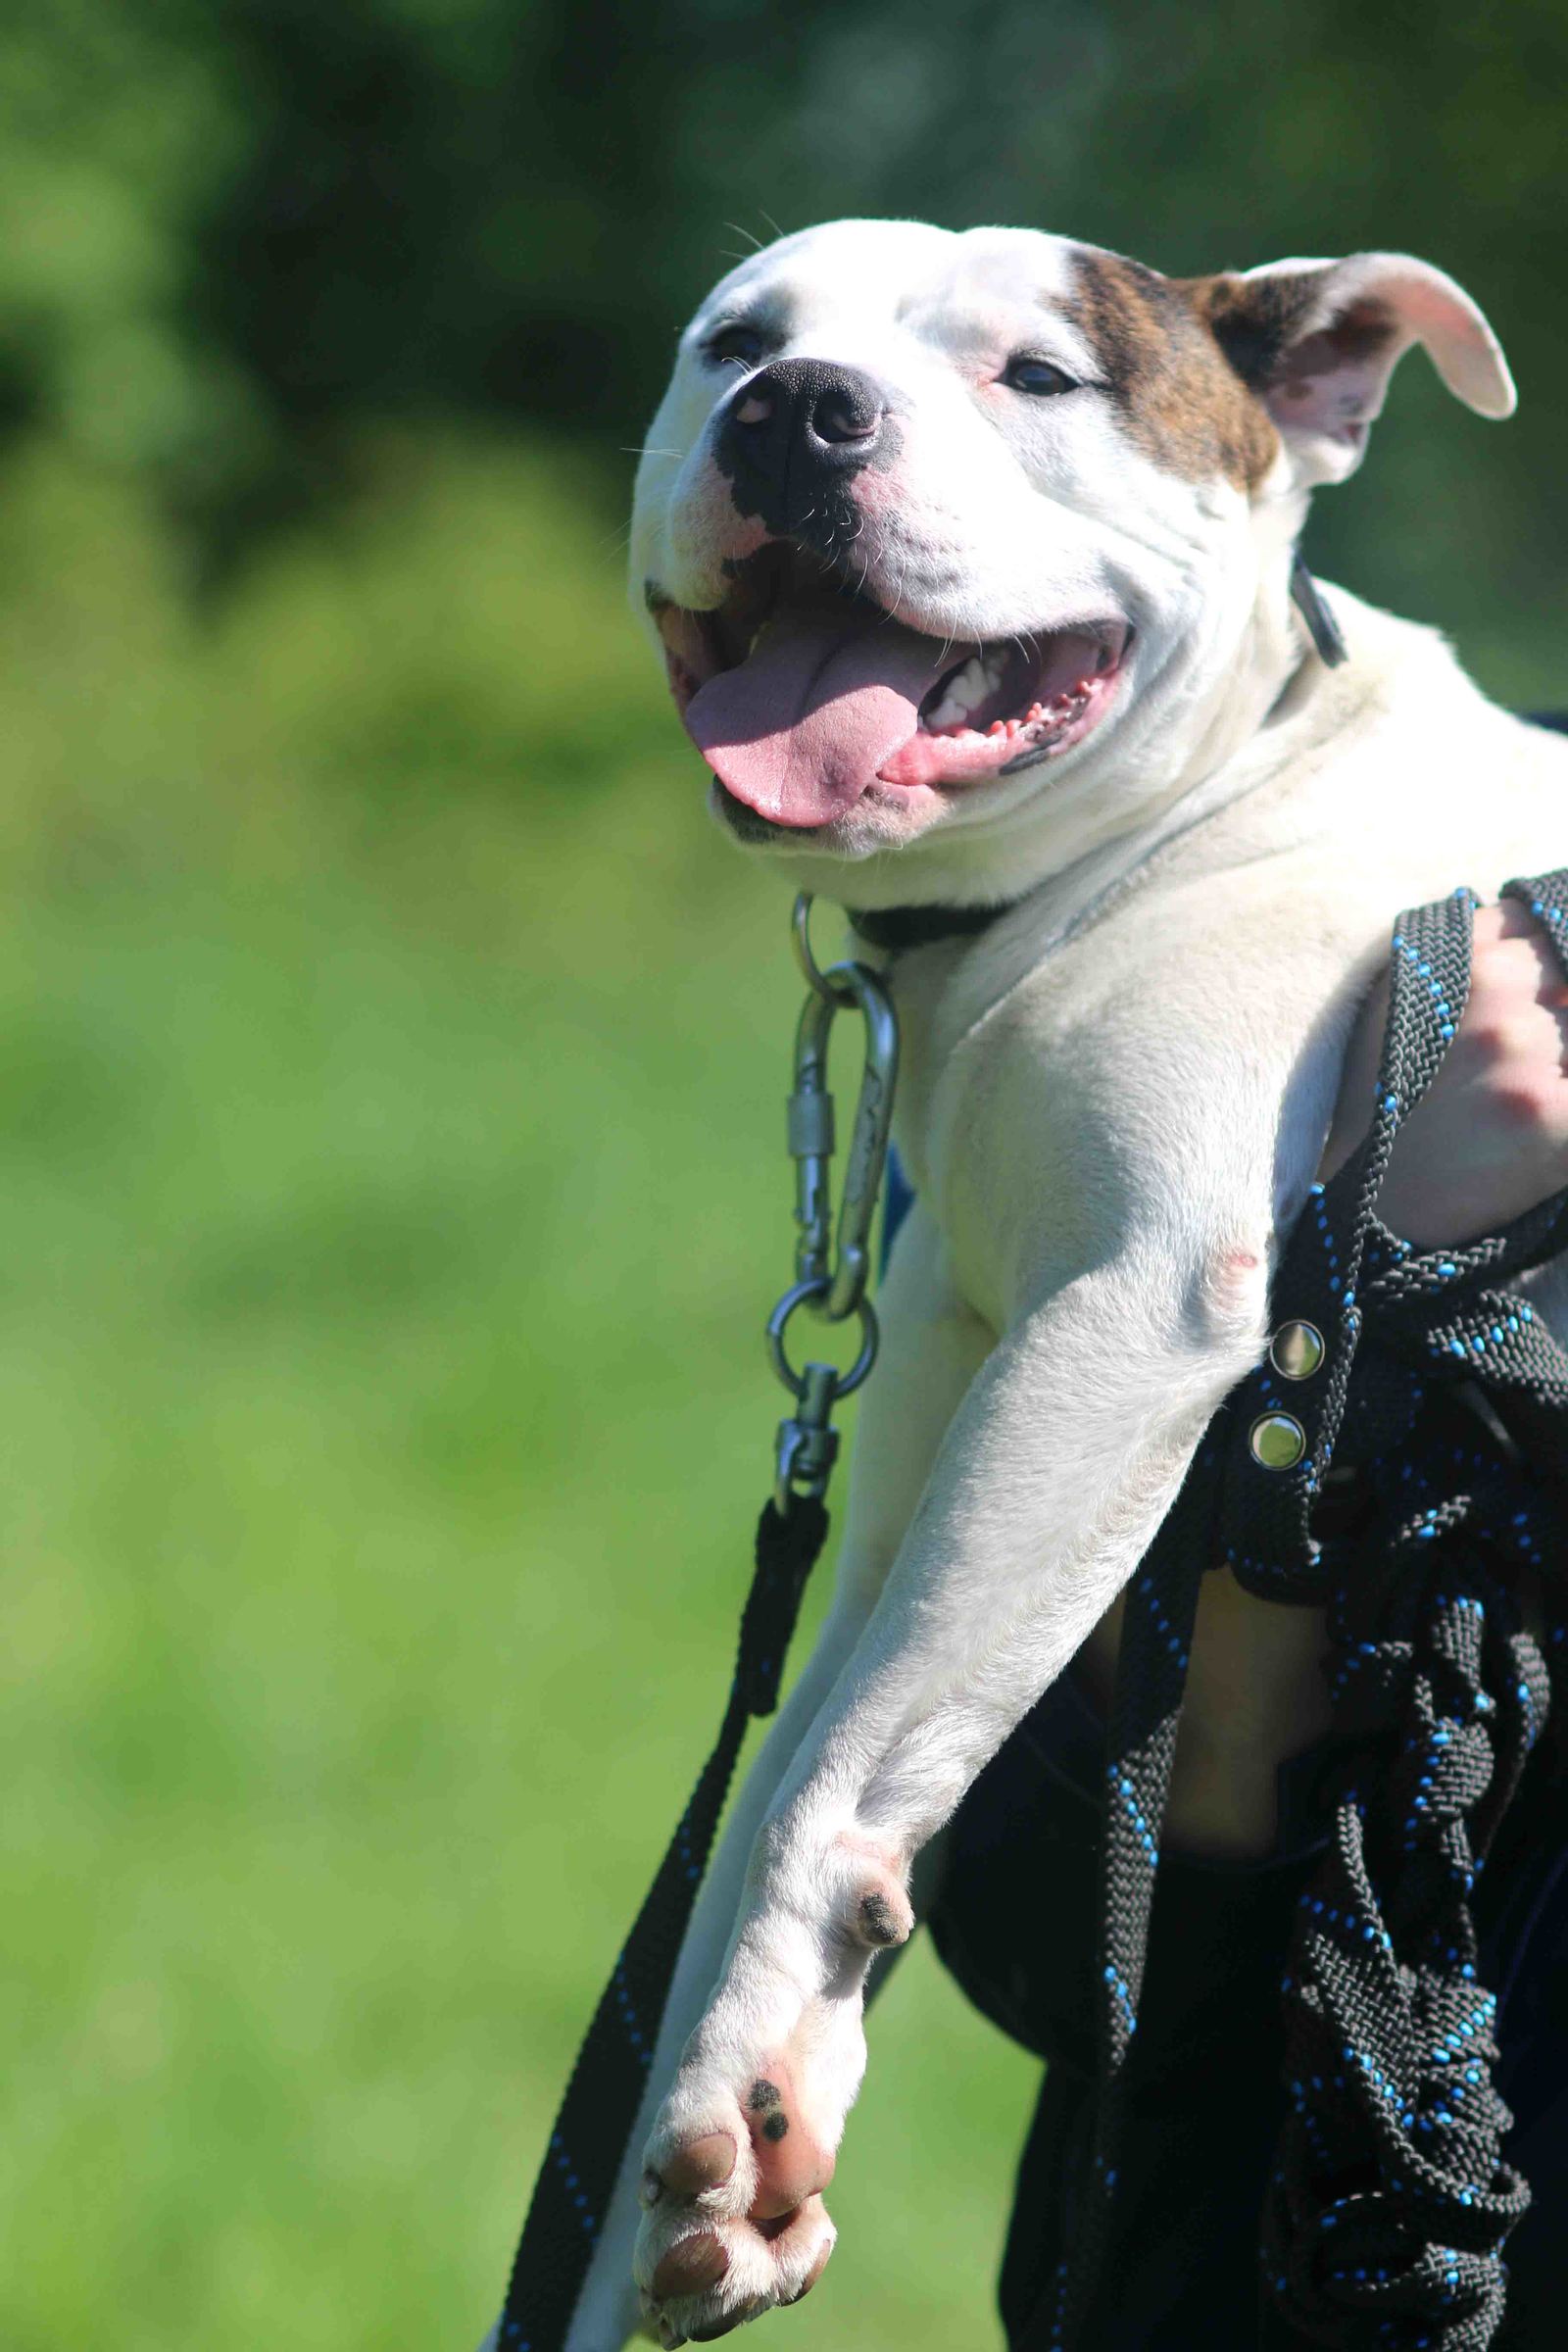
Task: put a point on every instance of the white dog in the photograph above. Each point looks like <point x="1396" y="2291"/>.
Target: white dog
<point x="970" y="557"/>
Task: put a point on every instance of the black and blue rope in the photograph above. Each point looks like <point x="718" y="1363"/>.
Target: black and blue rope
<point x="1391" y="2199"/>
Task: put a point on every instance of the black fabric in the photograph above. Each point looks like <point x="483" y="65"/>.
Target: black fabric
<point x="1015" y="1926"/>
<point x="1418" y="1518"/>
<point x="606" y="2088"/>
<point x="897" y="929"/>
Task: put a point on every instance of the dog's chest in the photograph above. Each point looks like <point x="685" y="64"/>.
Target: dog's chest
<point x="1184" y="1054"/>
<point x="1077" y="1066"/>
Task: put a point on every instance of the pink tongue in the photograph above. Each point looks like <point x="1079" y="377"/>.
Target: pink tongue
<point x="799" y="731"/>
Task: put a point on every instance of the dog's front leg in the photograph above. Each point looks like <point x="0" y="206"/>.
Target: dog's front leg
<point x="1051" y="1479"/>
<point x="931" y="1346"/>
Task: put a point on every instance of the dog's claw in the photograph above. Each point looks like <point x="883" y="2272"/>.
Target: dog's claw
<point x="692" y="2266"/>
<point x="813" y="2275"/>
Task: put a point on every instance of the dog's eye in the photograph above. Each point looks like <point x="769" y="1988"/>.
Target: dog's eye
<point x="1024" y="372"/>
<point x="736" y="346"/>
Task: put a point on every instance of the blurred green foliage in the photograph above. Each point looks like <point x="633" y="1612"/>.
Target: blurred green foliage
<point x="390" y="1056"/>
<point x="232" y="229"/>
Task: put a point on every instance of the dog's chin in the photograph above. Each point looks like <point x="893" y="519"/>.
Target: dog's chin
<point x="877" y="825"/>
<point x="757" y="832"/>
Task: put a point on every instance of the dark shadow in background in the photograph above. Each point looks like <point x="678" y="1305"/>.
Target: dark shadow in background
<point x="466" y="205"/>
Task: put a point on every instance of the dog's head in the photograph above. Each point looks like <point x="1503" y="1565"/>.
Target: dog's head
<point x="975" y="548"/>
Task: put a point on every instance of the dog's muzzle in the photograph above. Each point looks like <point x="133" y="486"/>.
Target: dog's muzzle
<point x="794" y="432"/>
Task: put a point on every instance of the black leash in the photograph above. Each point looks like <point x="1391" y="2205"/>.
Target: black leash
<point x="832" y="1266"/>
<point x="599" y="2108"/>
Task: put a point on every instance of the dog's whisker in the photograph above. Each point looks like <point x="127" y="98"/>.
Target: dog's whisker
<point x="741" y="230"/>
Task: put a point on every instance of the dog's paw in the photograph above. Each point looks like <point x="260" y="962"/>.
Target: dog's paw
<point x="746" y="2142"/>
<point x="735" y="2224"/>
<point x="720" y="2275"/>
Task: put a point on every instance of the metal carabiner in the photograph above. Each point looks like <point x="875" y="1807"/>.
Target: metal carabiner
<point x="831" y="1274"/>
<point x="838" y="1273"/>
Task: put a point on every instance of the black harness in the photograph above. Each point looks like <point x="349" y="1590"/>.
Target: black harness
<point x="1353" y="1470"/>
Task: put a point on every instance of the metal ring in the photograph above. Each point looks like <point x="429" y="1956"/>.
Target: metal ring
<point x="812" y="970"/>
<point x="848" y="1382"/>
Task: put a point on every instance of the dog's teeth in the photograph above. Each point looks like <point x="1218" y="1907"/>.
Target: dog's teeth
<point x="969" y="685"/>
<point x="966" y="689"/>
<point x="996" y="727"/>
<point x="1036" y="711"/>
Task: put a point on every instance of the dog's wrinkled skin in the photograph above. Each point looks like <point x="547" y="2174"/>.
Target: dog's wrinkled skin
<point x="1113" y="1100"/>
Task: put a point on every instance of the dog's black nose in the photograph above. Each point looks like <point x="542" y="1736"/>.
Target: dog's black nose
<point x="796" y="429"/>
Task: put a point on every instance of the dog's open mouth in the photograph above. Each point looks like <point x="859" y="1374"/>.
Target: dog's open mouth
<point x="802" y="694"/>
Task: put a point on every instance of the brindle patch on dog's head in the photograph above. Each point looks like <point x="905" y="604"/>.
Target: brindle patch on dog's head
<point x="1257" y="324"/>
<point x="1185" y="403"/>
<point x="1254" y="319"/>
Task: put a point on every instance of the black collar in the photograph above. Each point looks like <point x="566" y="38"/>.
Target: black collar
<point x="896" y="928"/>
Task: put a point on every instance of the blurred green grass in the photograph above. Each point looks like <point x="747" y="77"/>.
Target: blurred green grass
<point x="391" y="1059"/>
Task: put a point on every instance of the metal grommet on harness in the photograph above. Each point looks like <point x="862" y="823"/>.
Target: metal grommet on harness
<point x="1297" y="1351"/>
<point x="1276" y="1441"/>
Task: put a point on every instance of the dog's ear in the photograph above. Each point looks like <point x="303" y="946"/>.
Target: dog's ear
<point x="1318" y="342"/>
